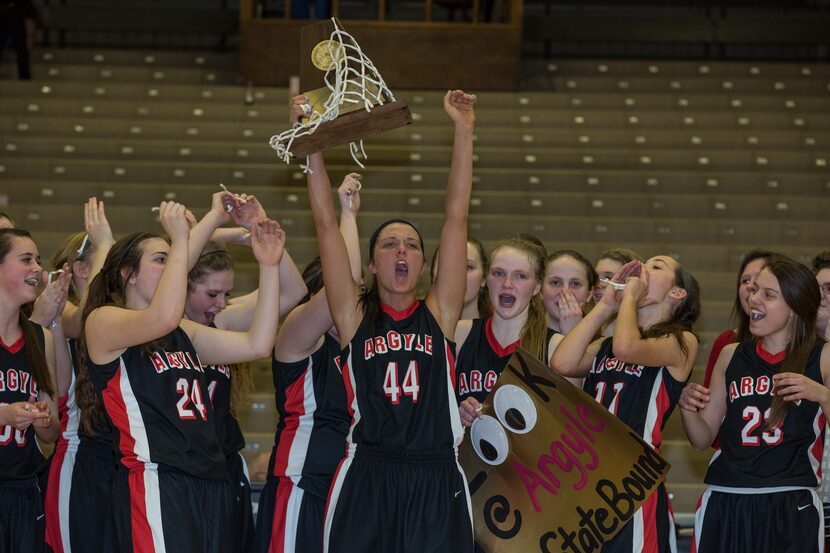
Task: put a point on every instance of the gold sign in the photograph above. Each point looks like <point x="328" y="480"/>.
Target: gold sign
<point x="549" y="468"/>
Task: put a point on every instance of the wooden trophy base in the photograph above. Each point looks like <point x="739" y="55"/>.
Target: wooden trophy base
<point x="352" y="127"/>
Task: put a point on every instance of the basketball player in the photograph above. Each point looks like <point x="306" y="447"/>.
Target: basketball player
<point x="311" y="401"/>
<point x="514" y="280"/>
<point x="82" y="469"/>
<point x="147" y="366"/>
<point x="209" y="285"/>
<point x="400" y="487"/>
<point x="639" y="373"/>
<point x="27" y="408"/>
<point x="767" y="406"/>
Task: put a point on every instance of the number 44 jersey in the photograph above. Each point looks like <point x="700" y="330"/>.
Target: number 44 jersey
<point x="157" y="399"/>
<point x="399" y="383"/>
<point x="752" y="455"/>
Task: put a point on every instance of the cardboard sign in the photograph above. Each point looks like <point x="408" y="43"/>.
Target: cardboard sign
<point x="549" y="468"/>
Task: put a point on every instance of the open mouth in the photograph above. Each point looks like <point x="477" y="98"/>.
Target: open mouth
<point x="32" y="281"/>
<point x="401" y="270"/>
<point x="756" y="315"/>
<point x="210" y="317"/>
<point x="507" y="300"/>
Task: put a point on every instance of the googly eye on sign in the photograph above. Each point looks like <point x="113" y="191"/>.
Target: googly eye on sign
<point x="549" y="469"/>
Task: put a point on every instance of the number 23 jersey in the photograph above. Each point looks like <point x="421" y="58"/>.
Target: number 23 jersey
<point x="399" y="382"/>
<point x="752" y="456"/>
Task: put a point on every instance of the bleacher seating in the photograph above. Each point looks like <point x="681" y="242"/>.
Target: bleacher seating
<point x="699" y="160"/>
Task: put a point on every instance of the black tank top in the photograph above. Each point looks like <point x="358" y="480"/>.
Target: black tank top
<point x="20" y="455"/>
<point x="642" y="397"/>
<point x="750" y="456"/>
<point x="399" y="379"/>
<point x="72" y="432"/>
<point x="220" y="381"/>
<point x="480" y="361"/>
<point x="314" y="420"/>
<point x="160" y="409"/>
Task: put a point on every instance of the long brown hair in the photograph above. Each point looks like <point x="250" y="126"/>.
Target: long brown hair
<point x="801" y="294"/>
<point x="35" y="355"/>
<point x="684" y="315"/>
<point x="535" y="330"/>
<point x="108" y="287"/>
<point x="213" y="259"/>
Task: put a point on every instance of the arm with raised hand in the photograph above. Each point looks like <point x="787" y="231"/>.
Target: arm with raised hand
<point x="342" y="294"/>
<point x="301" y="333"/>
<point x="204" y="229"/>
<point x="631" y="347"/>
<point x="110" y="329"/>
<point x="446" y="296"/>
<point x="225" y="346"/>
<point x="246" y="212"/>
<point x="575" y="352"/>
<point x="100" y="236"/>
<point x="349" y="195"/>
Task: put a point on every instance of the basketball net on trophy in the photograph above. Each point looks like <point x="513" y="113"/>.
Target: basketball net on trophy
<point x="352" y="103"/>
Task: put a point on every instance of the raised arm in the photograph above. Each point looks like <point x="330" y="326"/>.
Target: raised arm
<point x="446" y="295"/>
<point x="702" y="424"/>
<point x="246" y="212"/>
<point x="349" y="195"/>
<point x="100" y="236"/>
<point x="110" y="330"/>
<point x="204" y="229"/>
<point x="216" y="346"/>
<point x="232" y="235"/>
<point x="302" y="332"/>
<point x="342" y="293"/>
<point x="574" y="354"/>
<point x="239" y="314"/>
<point x="631" y="347"/>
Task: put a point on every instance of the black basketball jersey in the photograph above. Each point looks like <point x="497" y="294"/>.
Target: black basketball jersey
<point x="480" y="361"/>
<point x="220" y="380"/>
<point x="750" y="456"/>
<point x="158" y="403"/>
<point x="73" y="434"/>
<point x="642" y="397"/>
<point x="399" y="379"/>
<point x="314" y="420"/>
<point x="20" y="455"/>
